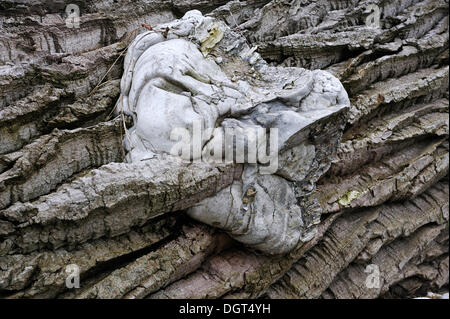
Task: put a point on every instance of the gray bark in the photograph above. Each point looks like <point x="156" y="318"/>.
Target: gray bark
<point x="68" y="197"/>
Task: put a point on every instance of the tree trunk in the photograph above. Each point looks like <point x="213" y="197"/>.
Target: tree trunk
<point x="68" y="197"/>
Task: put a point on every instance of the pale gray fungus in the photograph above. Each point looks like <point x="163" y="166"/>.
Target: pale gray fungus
<point x="197" y="68"/>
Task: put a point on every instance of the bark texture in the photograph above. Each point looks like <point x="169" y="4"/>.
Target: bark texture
<point x="66" y="197"/>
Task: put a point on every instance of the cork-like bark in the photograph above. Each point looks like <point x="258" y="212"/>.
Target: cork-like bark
<point x="67" y="197"/>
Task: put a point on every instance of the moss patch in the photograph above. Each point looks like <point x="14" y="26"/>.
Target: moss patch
<point x="348" y="198"/>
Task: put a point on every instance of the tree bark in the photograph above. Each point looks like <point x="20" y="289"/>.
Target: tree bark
<point x="67" y="197"/>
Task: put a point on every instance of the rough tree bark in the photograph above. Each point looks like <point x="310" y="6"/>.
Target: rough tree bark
<point x="67" y="198"/>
